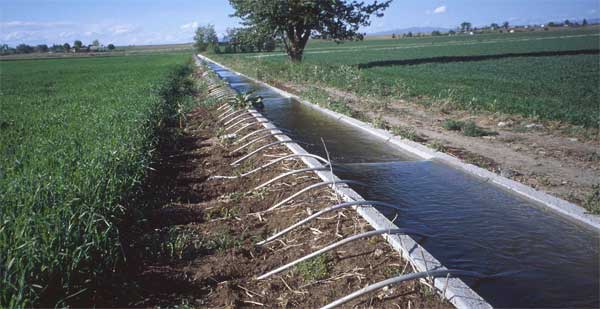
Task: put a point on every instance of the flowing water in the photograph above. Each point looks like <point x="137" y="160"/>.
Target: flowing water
<point x="544" y="259"/>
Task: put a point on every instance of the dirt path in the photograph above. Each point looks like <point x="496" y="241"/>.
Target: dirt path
<point x="196" y="246"/>
<point x="560" y="159"/>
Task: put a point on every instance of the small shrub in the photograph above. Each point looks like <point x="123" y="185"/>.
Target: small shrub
<point x="592" y="203"/>
<point x="453" y="125"/>
<point x="471" y="129"/>
<point x="405" y="132"/>
<point x="468" y="128"/>
<point x="380" y="123"/>
<point x="438" y="146"/>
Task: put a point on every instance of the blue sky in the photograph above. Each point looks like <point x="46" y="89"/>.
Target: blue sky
<point x="138" y="22"/>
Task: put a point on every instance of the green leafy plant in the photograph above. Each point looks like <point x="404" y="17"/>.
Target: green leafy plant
<point x="247" y="100"/>
<point x="314" y="269"/>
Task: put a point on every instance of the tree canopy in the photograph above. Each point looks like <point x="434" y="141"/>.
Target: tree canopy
<point x="465" y="26"/>
<point x="205" y="37"/>
<point x="77" y="45"/>
<point x="294" y="21"/>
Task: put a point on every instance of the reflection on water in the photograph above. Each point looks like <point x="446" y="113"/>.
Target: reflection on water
<point x="547" y="260"/>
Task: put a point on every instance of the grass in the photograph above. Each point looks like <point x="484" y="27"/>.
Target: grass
<point x="551" y="87"/>
<point x="77" y="138"/>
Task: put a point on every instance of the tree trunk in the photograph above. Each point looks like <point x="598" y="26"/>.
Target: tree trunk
<point x="295" y="53"/>
<point x="297" y="39"/>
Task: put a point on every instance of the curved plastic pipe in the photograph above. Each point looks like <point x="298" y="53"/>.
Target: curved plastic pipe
<point x="322" y="212"/>
<point x="239" y="121"/>
<point x="400" y="279"/>
<point x="234" y="112"/>
<point x="246" y="125"/>
<point x="335" y="245"/>
<point x="257" y="140"/>
<point x="234" y="118"/>
<point x="271" y="163"/>
<point x="238" y="161"/>
<point x="308" y="169"/>
<point x="227" y="113"/>
<point x="253" y="133"/>
<point x="222" y="106"/>
<point x="316" y="185"/>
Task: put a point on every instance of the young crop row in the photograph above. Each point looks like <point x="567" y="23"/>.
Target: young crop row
<point x="76" y="139"/>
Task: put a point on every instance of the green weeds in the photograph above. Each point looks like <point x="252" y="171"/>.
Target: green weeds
<point x="314" y="269"/>
<point x="408" y="133"/>
<point x="438" y="146"/>
<point x="468" y="128"/>
<point x="592" y="203"/>
<point x="184" y="243"/>
<point x="453" y="125"/>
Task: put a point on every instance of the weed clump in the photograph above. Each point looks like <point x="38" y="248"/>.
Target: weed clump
<point x="592" y="203"/>
<point x="468" y="128"/>
<point x="452" y="125"/>
<point x="406" y="132"/>
<point x="314" y="269"/>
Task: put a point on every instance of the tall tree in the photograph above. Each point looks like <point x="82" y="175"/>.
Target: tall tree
<point x="67" y="47"/>
<point x="96" y="43"/>
<point x="77" y="45"/>
<point x="465" y="26"/>
<point x="505" y="25"/>
<point x="41" y="48"/>
<point x="24" y="49"/>
<point x="294" y="21"/>
<point x="205" y="37"/>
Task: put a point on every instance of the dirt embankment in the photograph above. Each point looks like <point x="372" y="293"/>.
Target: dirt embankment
<point x="558" y="158"/>
<point x="197" y="248"/>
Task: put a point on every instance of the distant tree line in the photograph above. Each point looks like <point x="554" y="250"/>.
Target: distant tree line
<point x="77" y="47"/>
<point x="467" y="28"/>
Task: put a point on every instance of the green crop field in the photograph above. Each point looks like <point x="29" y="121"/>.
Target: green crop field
<point x="551" y="75"/>
<point x="76" y="138"/>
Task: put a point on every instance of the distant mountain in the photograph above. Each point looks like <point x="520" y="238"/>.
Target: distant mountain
<point x="407" y="30"/>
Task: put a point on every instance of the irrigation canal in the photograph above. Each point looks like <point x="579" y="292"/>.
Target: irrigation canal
<point x="544" y="260"/>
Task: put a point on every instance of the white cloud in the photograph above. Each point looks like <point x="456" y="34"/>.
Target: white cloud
<point x="122" y="29"/>
<point x="33" y="24"/>
<point x="440" y="10"/>
<point x="189" y="26"/>
<point x="106" y="31"/>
